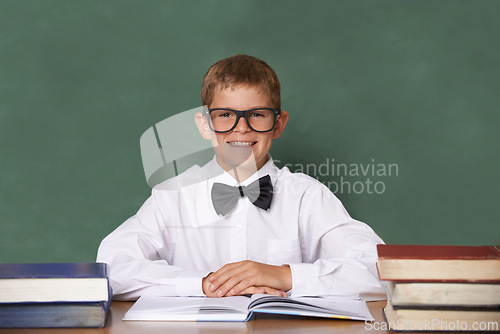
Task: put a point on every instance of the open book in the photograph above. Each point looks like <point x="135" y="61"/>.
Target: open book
<point x="240" y="308"/>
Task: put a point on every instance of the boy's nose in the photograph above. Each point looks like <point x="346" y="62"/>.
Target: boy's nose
<point x="242" y="126"/>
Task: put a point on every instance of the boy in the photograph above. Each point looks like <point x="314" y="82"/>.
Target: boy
<point x="244" y="226"/>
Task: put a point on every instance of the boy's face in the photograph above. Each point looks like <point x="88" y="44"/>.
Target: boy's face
<point x="242" y="147"/>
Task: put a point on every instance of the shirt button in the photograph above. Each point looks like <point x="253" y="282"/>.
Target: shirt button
<point x="238" y="227"/>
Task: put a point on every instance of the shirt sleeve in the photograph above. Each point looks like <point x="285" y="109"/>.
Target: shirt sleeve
<point x="136" y="253"/>
<point x="338" y="253"/>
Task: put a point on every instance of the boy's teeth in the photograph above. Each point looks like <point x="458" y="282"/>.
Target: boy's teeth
<point x="241" y="143"/>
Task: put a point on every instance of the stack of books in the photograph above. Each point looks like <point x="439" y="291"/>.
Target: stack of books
<point x="48" y="295"/>
<point x="441" y="288"/>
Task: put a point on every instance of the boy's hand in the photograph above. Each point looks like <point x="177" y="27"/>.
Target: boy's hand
<point x="248" y="277"/>
<point x="251" y="290"/>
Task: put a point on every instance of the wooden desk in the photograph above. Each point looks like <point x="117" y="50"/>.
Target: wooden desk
<point x="262" y="323"/>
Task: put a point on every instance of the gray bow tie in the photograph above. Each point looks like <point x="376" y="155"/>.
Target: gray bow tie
<point x="259" y="192"/>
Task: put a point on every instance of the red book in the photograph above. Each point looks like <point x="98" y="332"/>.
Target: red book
<point x="439" y="263"/>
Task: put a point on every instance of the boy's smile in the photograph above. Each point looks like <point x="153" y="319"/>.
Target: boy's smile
<point x="242" y="143"/>
<point x="242" y="151"/>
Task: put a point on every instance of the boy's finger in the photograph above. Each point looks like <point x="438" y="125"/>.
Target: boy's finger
<point x="221" y="271"/>
<point x="262" y="290"/>
<point x="250" y="291"/>
<point x="228" y="267"/>
<point x="219" y="279"/>
<point x="275" y="292"/>
<point x="240" y="280"/>
<point x="240" y="276"/>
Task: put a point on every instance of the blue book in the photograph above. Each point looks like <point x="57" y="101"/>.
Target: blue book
<point x="53" y="270"/>
<point x="54" y="294"/>
<point x="54" y="315"/>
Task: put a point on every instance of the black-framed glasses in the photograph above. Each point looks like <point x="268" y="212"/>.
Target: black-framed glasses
<point x="223" y="120"/>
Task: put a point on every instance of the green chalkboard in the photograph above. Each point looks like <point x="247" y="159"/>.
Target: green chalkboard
<point x="393" y="104"/>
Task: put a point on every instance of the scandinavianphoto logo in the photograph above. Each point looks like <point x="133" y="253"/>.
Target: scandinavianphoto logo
<point x="348" y="178"/>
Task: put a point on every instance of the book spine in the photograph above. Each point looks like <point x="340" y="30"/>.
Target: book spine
<point x="53" y="315"/>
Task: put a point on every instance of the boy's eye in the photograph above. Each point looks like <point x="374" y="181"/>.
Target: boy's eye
<point x="224" y="114"/>
<point x="257" y="114"/>
<point x="261" y="113"/>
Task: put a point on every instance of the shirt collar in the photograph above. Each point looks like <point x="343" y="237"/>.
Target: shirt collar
<point x="217" y="174"/>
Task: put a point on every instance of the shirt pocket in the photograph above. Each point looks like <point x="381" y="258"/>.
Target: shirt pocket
<point x="283" y="251"/>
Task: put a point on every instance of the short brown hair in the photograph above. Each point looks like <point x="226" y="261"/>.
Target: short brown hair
<point x="241" y="70"/>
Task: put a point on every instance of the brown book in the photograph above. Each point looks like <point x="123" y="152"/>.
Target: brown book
<point x="439" y="263"/>
<point x="444" y="294"/>
<point x="458" y="320"/>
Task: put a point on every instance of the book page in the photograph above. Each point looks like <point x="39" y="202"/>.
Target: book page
<point x="312" y="306"/>
<point x="163" y="308"/>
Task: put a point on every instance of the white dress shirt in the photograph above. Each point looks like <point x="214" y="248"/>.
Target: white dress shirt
<point x="176" y="238"/>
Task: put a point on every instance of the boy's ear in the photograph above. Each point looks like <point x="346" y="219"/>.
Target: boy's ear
<point x="201" y="123"/>
<point x="280" y="124"/>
